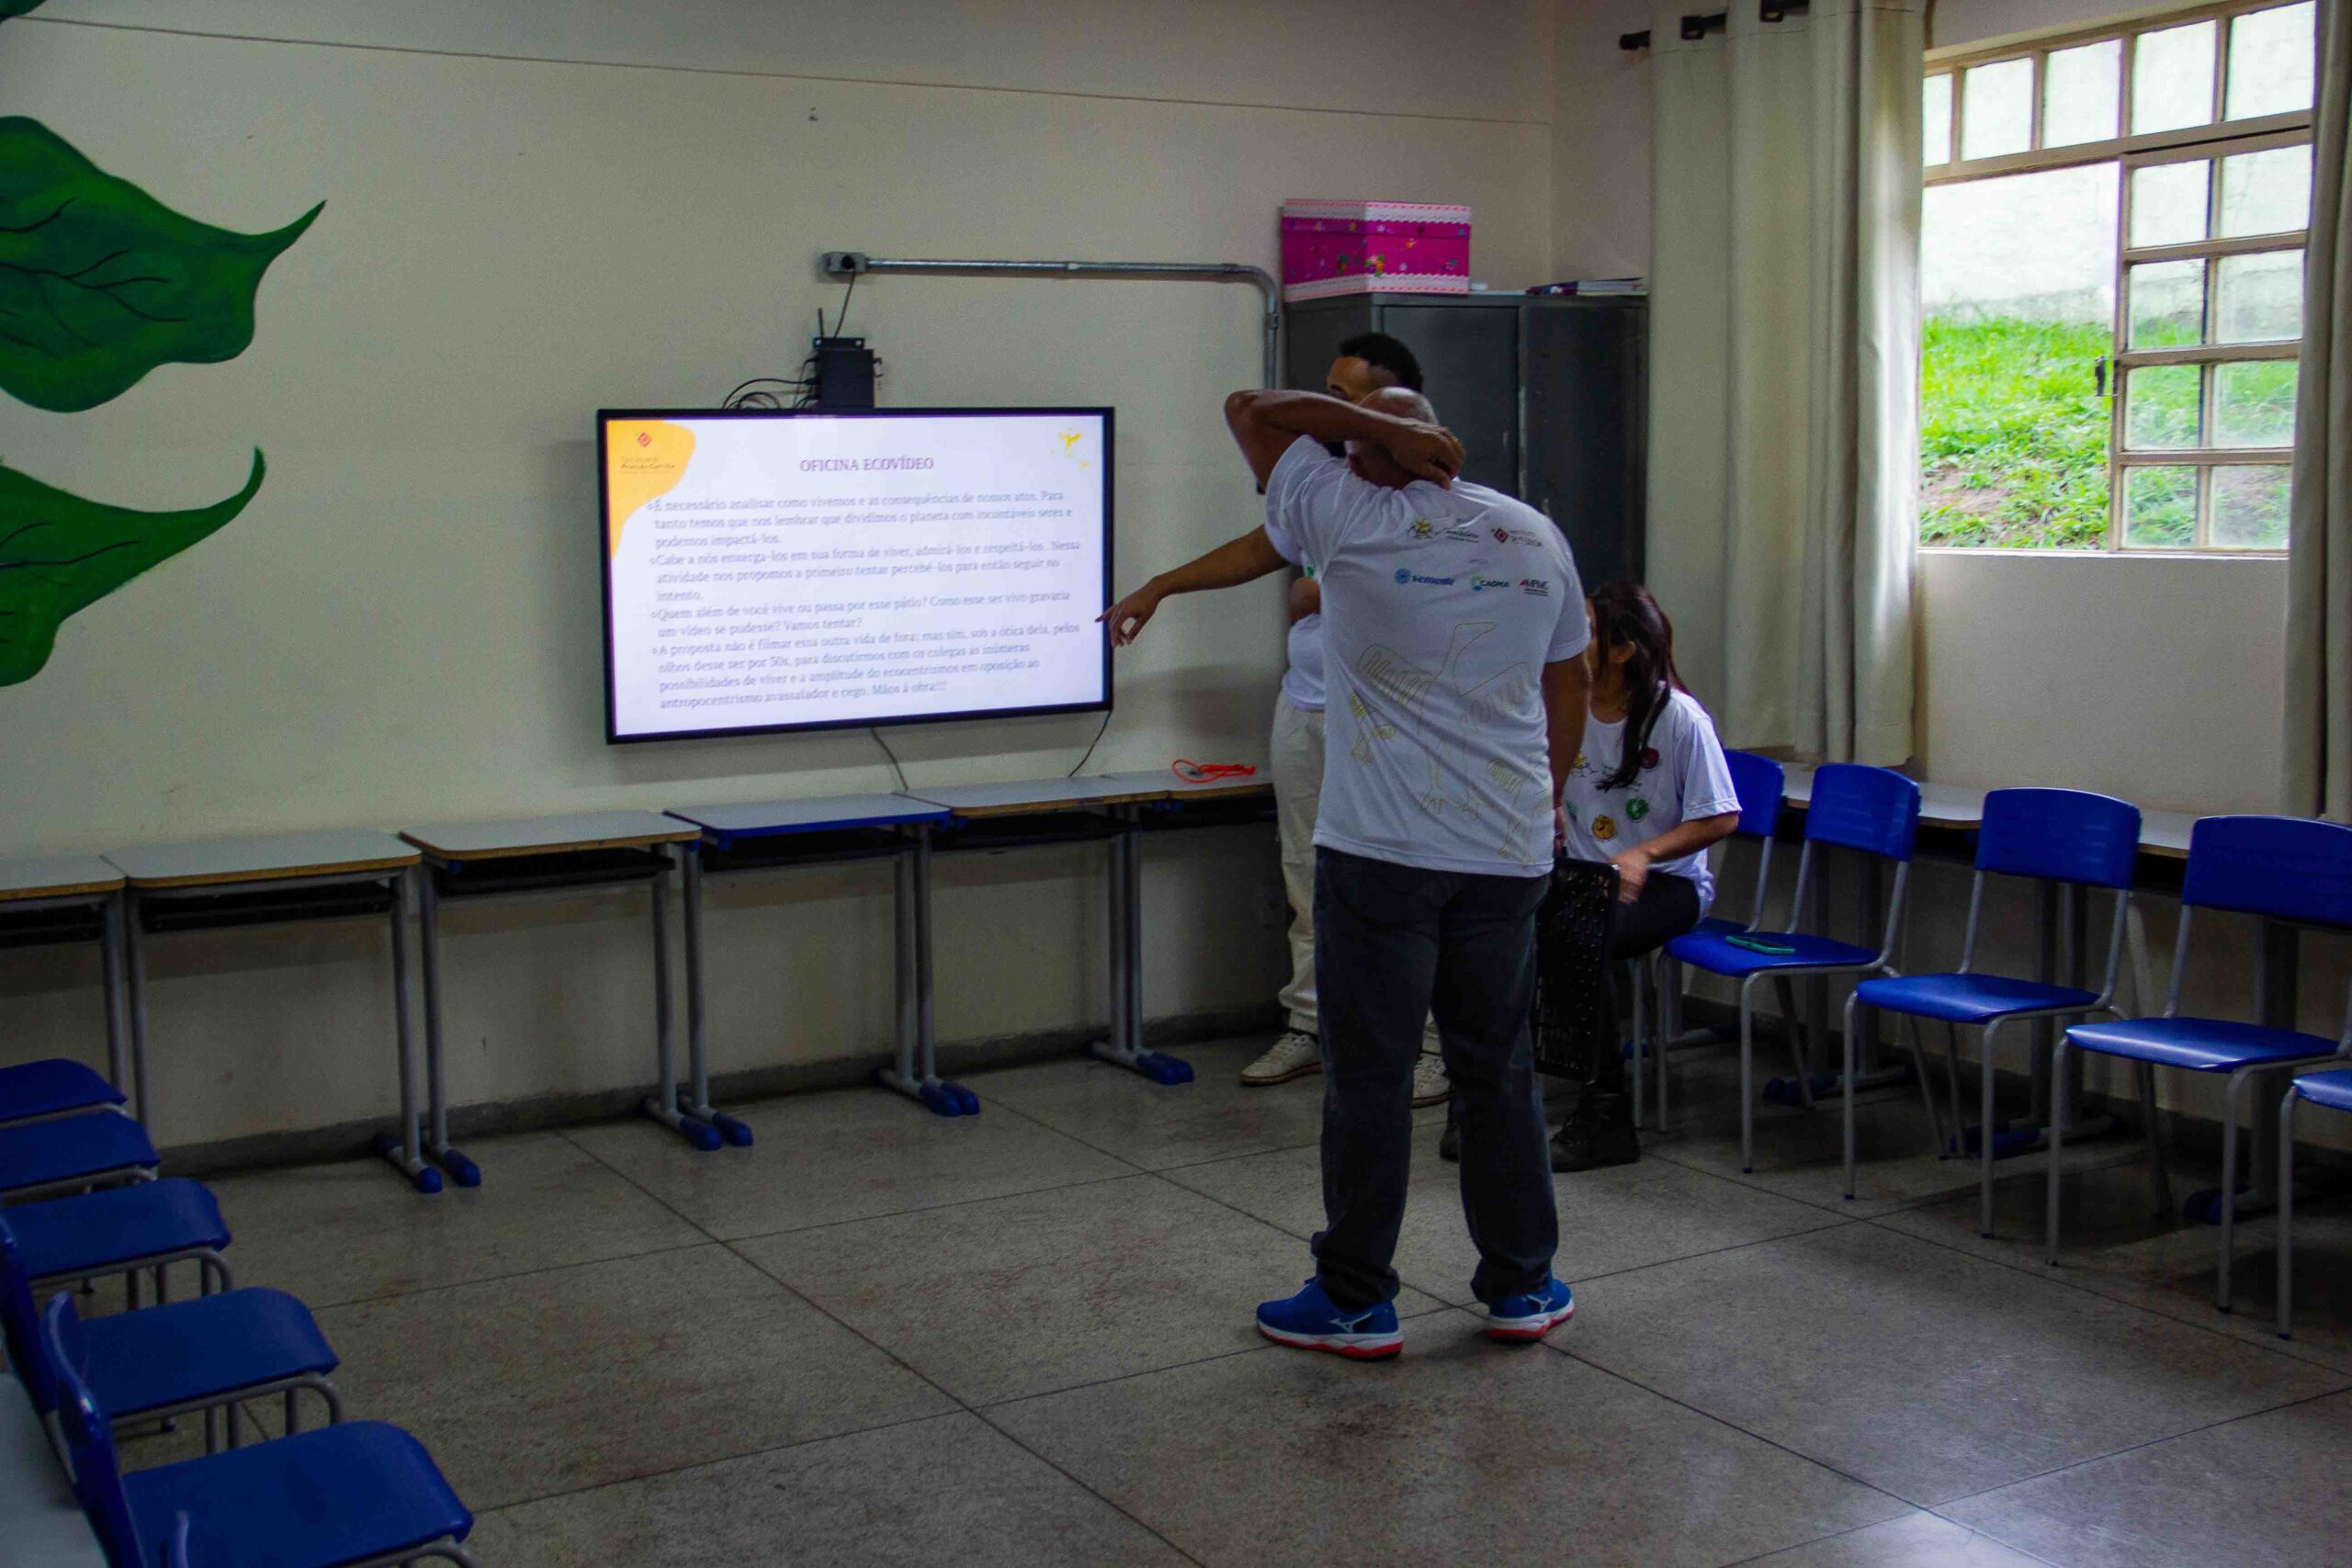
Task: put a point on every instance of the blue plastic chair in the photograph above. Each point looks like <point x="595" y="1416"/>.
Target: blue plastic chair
<point x="359" y="1494"/>
<point x="1762" y="784"/>
<point x="2282" y="868"/>
<point x="97" y="1148"/>
<point x="149" y="1225"/>
<point x="2067" y="837"/>
<point x="1871" y="810"/>
<point x="55" y="1086"/>
<point x="171" y="1360"/>
<point x="2331" y="1090"/>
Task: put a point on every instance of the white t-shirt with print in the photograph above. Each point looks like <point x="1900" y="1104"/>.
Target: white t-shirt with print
<point x="1303" y="681"/>
<point x="1441" y="608"/>
<point x="1683" y="778"/>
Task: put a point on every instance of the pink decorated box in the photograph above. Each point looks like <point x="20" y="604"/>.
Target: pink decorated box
<point x="1365" y="247"/>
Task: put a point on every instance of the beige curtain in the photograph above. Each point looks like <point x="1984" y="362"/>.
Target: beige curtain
<point x="2317" y="775"/>
<point x="1784" y="382"/>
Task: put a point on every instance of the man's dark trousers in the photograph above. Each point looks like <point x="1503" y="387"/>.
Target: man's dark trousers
<point x="1394" y="943"/>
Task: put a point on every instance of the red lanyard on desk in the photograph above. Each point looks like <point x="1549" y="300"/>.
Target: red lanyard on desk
<point x="1209" y="772"/>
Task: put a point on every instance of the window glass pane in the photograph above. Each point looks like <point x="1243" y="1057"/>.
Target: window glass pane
<point x="2261" y="297"/>
<point x="2254" y="403"/>
<point x="2080" y="89"/>
<point x="2168" y="305"/>
<point x="2159" y="508"/>
<point x="2172" y="78"/>
<point x="2160" y="409"/>
<point x="1935" y="120"/>
<point x="2271" y="59"/>
<point x="2168" y="202"/>
<point x="2266" y="193"/>
<point x="1996" y="110"/>
<point x="2018" y="278"/>
<point x="2250" y="506"/>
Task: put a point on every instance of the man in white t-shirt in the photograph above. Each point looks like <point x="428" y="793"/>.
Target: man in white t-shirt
<point x="1365" y="364"/>
<point x="1454" y="626"/>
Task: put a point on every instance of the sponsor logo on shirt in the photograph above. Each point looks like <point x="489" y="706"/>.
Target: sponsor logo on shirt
<point x="1422" y="528"/>
<point x="1405" y="574"/>
<point x="1503" y="535"/>
<point x="1462" y="534"/>
<point x="1480" y="581"/>
<point x="1535" y="585"/>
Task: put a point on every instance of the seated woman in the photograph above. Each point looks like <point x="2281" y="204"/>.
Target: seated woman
<point x="1651" y="793"/>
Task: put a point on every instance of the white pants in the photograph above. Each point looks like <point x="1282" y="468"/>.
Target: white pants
<point x="1297" y="754"/>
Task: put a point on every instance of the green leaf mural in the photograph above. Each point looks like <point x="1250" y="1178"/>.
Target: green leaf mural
<point x="60" y="553"/>
<point x="100" y="283"/>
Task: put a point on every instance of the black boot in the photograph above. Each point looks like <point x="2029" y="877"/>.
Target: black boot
<point x="1449" y="1142"/>
<point x="1601" y="1133"/>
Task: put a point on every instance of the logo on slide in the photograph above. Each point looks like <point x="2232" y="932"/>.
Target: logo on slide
<point x="632" y="478"/>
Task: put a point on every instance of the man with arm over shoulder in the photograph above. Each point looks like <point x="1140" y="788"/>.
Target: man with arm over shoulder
<point x="1453" y="624"/>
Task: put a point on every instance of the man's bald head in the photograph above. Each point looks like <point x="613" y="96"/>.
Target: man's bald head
<point x="1372" y="462"/>
<point x="1401" y="402"/>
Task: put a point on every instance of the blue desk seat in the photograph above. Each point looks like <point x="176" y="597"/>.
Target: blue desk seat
<point x="186" y="1355"/>
<point x="2330" y="1090"/>
<point x="2289" y="871"/>
<point x="2071" y="842"/>
<point x="2197" y="1045"/>
<point x="99" y="1145"/>
<point x="1970" y="998"/>
<point x="144" y="1224"/>
<point x="1871" y="811"/>
<point x="359" y="1492"/>
<point x="52" y="1087"/>
<point x="1718" y="954"/>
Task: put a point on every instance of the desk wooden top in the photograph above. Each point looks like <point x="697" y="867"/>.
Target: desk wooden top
<point x="56" y="876"/>
<point x="765" y="818"/>
<point x="1176" y="787"/>
<point x="2162" y="833"/>
<point x="271" y="858"/>
<point x="565" y="833"/>
<point x="1023" y="797"/>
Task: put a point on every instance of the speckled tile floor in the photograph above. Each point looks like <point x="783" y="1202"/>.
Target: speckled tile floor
<point x="877" y="1336"/>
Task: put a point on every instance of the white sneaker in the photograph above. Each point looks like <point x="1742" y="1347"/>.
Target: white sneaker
<point x="1430" y="1085"/>
<point x="1294" y="1055"/>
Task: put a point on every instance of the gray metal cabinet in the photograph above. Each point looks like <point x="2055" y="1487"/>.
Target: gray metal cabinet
<point x="1548" y="394"/>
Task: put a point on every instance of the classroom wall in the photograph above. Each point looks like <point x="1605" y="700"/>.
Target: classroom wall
<point x="534" y="210"/>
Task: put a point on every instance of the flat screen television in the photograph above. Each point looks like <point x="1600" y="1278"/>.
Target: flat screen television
<point x="766" y="571"/>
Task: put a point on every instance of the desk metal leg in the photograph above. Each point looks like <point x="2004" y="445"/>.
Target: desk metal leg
<point x="1125" y="1047"/>
<point x="916" y="1075"/>
<point x="110" y="961"/>
<point x="401" y="1149"/>
<point x="462" y="1171"/>
<point x="143" y="1102"/>
<point x="662" y="1104"/>
<point x="2277" y="985"/>
<point x="697" y="1060"/>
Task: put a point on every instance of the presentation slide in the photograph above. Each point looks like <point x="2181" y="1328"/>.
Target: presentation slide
<point x="771" y="572"/>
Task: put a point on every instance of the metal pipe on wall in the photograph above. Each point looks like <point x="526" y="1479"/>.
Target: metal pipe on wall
<point x="854" y="263"/>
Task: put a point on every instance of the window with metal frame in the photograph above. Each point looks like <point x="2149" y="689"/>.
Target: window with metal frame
<point x="2112" y="280"/>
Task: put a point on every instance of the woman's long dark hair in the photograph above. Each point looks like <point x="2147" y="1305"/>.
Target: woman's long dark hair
<point x="1624" y="613"/>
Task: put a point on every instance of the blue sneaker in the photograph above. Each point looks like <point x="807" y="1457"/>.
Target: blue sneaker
<point x="1518" y="1319"/>
<point x="1310" y="1322"/>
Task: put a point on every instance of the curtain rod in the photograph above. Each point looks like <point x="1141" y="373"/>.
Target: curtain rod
<point x="1696" y="26"/>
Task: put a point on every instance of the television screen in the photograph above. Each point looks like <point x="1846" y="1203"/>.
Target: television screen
<point x="807" y="570"/>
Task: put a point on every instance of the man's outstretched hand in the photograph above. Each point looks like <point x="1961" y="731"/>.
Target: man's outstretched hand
<point x="1127" y="618"/>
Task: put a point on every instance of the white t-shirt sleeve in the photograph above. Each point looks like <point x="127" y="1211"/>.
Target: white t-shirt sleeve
<point x="1569" y="638"/>
<point x="1301" y="515"/>
<point x="1707" y="788"/>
